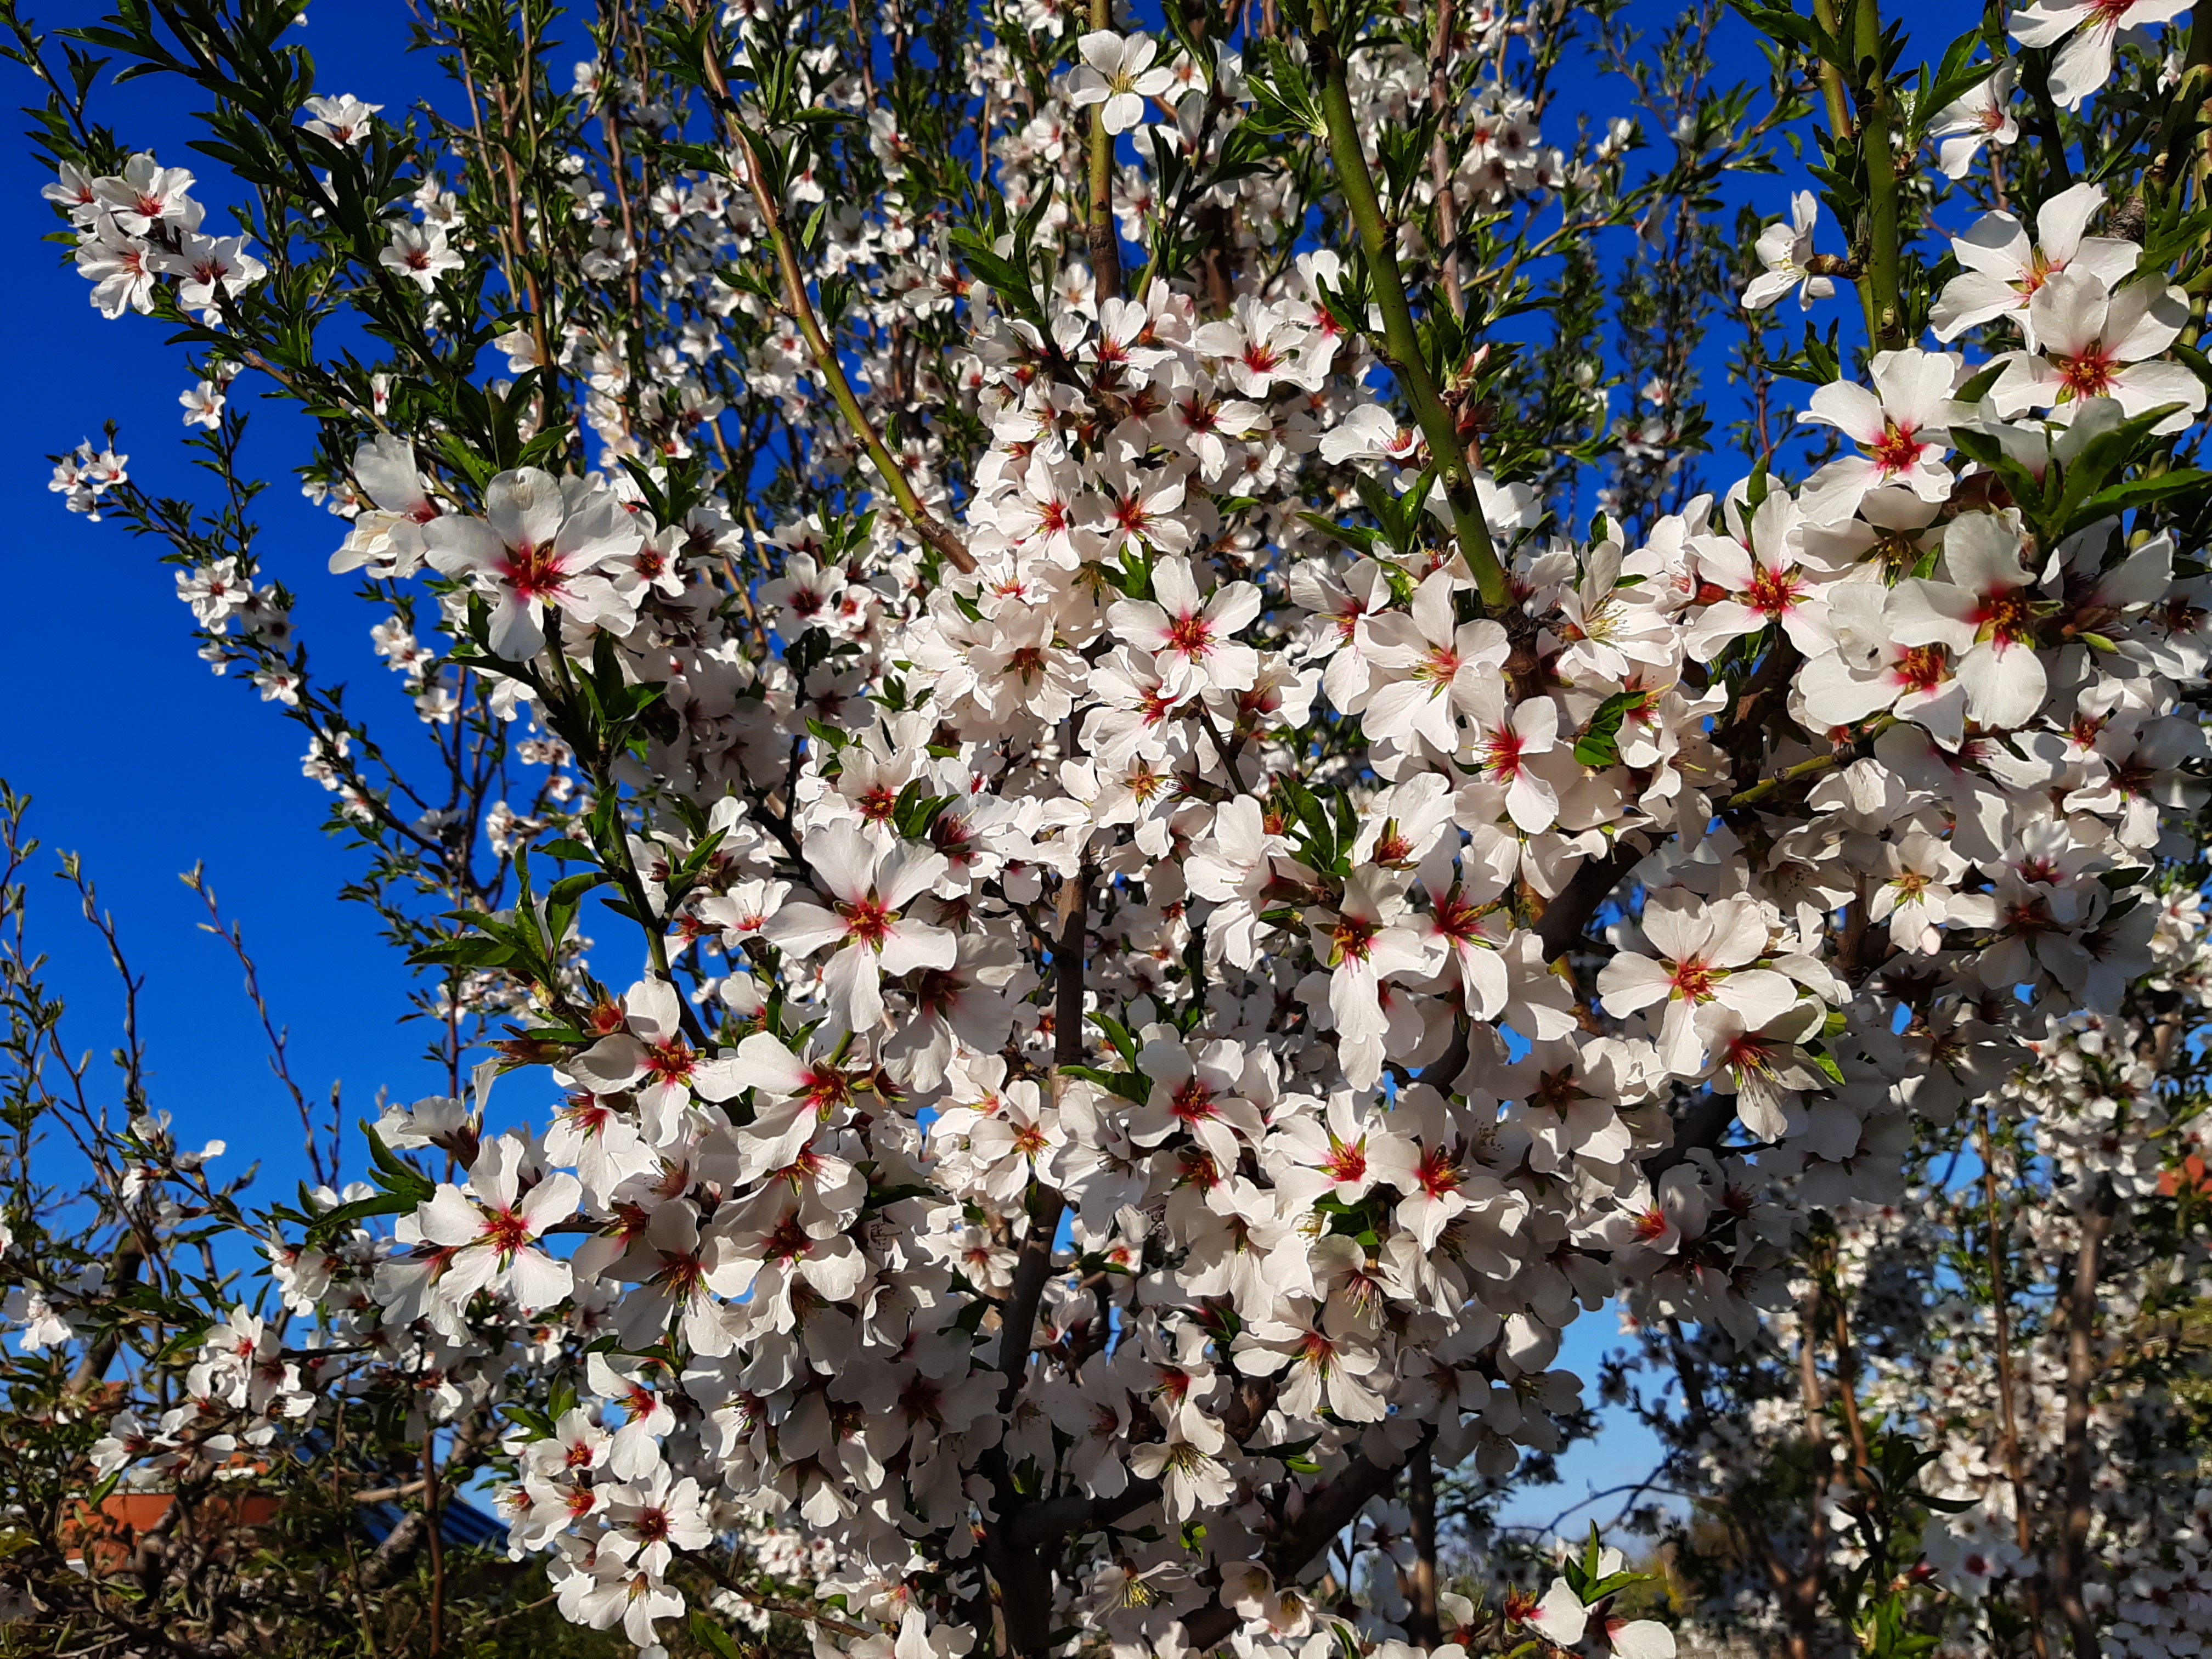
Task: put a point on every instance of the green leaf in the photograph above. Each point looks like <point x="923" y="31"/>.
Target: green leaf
<point x="1129" y="1085"/>
<point x="1599" y="744"/>
<point x="2137" y="492"/>
<point x="712" y="1635"/>
<point x="475" y="951"/>
<point x="386" y="1203"/>
<point x="394" y="1174"/>
<point x="1124" y="1043"/>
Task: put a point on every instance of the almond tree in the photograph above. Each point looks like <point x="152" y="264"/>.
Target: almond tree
<point x="1217" y="852"/>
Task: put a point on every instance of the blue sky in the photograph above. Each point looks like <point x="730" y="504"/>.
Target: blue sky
<point x="138" y="757"/>
<point x="146" y="764"/>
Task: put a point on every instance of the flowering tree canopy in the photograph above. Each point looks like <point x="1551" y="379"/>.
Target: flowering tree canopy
<point x="1190" y="846"/>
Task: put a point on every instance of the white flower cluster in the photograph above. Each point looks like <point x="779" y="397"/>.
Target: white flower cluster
<point x="1160" y="1074"/>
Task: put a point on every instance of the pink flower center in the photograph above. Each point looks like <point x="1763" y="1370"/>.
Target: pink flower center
<point x="1921" y="668"/>
<point x="1437" y="1174"/>
<point x="869" y="922"/>
<point x="2005" y="615"/>
<point x="506" y="1231"/>
<point x="670" y="1061"/>
<point x="1694" y="980"/>
<point x="1773" y="593"/>
<point x="1191" y="634"/>
<point x="1898" y="450"/>
<point x="1502" y="753"/>
<point x="534" y="572"/>
<point x="1192" y="1102"/>
<point x="1354" y="936"/>
<point x="2089" y="375"/>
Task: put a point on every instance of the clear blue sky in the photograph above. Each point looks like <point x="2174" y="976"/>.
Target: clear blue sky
<point x="138" y="756"/>
<point x="146" y="764"/>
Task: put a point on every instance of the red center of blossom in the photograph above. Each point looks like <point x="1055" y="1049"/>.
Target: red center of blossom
<point x="1346" y="1160"/>
<point x="1750" y="1052"/>
<point x="1501" y="753"/>
<point x="1354" y="936"/>
<point x="1438" y="667"/>
<point x="534" y="572"/>
<point x="669" y="1062"/>
<point x="1694" y="980"/>
<point x="1455" y="918"/>
<point x="2005" y="615"/>
<point x="1772" y="592"/>
<point x="680" y="1276"/>
<point x="1921" y="669"/>
<point x="1556" y="1090"/>
<point x="506" y="1231"/>
<point x="1191" y="634"/>
<point x="1898" y="450"/>
<point x="2089" y="375"/>
<point x="788" y="1241"/>
<point x="1193" y="1101"/>
<point x="868" y="922"/>
<point x="825" y="1087"/>
<point x="1437" y="1173"/>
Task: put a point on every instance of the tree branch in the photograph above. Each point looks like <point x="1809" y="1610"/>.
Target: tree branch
<point x="1408" y="360"/>
<point x="933" y="531"/>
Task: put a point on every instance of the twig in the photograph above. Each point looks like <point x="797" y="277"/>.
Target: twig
<point x="932" y="530"/>
<point x="1409" y="361"/>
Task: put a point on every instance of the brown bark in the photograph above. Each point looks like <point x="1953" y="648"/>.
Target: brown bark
<point x="1328" y="1512"/>
<point x="1018" y="1555"/>
<point x="1440" y="167"/>
<point x="1423" y="1626"/>
<point x="2008" y="1446"/>
<point x="2081" y="1374"/>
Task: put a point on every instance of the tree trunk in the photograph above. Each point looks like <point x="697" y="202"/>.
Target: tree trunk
<point x="1423" y="1626"/>
<point x="2081" y="1375"/>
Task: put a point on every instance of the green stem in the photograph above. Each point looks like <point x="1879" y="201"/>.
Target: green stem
<point x="2188" y="97"/>
<point x="1407" y="360"/>
<point x="933" y="530"/>
<point x="1105" y="241"/>
<point x="1804" y="768"/>
<point x="1885" y="306"/>
<point x="1833" y="97"/>
<point x="826" y="363"/>
<point x="2035" y="78"/>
